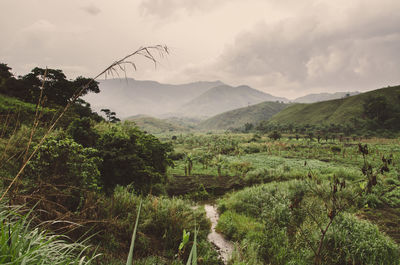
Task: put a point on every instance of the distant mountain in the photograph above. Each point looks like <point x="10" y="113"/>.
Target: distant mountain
<point x="239" y="117"/>
<point x="339" y="111"/>
<point x="311" y="98"/>
<point x="224" y="98"/>
<point x="129" y="97"/>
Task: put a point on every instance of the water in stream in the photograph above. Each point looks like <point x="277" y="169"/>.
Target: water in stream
<point x="224" y="246"/>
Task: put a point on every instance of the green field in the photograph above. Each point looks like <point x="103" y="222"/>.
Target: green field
<point x="280" y="174"/>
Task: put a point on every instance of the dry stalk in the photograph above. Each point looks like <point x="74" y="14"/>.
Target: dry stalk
<point x="36" y="119"/>
<point x="146" y="52"/>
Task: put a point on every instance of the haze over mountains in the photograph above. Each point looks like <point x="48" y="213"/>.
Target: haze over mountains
<point x="128" y="97"/>
<point x="311" y="98"/>
<point x="224" y="98"/>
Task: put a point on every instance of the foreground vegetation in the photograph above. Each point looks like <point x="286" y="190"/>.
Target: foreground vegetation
<point x="283" y="221"/>
<point x="291" y="198"/>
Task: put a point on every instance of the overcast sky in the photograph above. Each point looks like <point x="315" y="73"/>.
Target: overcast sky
<point x="283" y="47"/>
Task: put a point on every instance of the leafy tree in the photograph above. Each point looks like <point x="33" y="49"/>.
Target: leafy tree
<point x="82" y="109"/>
<point x="57" y="89"/>
<point x="248" y="127"/>
<point x="111" y="115"/>
<point x="5" y="72"/>
<point x="131" y="156"/>
<point x="82" y="132"/>
<point x="68" y="168"/>
<point x="376" y="108"/>
<point x="275" y="135"/>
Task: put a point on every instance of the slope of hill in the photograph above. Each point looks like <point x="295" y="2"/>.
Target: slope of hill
<point x="154" y="125"/>
<point x="312" y="98"/>
<point x="339" y="111"/>
<point x="239" y="117"/>
<point x="224" y="98"/>
<point x="129" y="97"/>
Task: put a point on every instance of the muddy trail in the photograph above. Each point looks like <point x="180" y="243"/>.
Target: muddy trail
<point x="225" y="247"/>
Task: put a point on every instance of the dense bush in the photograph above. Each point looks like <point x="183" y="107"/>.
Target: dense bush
<point x="81" y="130"/>
<point x="131" y="156"/>
<point x="67" y="168"/>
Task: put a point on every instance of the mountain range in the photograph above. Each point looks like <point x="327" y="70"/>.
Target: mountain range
<point x="203" y="99"/>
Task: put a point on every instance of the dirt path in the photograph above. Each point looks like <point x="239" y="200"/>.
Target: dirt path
<point x="224" y="246"/>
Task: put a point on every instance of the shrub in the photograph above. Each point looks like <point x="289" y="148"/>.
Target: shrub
<point x="67" y="169"/>
<point x="275" y="135"/>
<point x="131" y="156"/>
<point x="355" y="241"/>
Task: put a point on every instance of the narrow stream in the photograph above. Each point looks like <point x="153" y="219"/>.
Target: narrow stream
<point x="225" y="247"/>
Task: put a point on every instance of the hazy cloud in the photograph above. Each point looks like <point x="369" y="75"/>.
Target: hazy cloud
<point x="91" y="9"/>
<point x="317" y="52"/>
<point x="171" y="8"/>
<point x="284" y="47"/>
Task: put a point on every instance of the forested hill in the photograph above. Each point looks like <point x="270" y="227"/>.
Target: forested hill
<point x="375" y="109"/>
<point x="239" y="117"/>
<point x="224" y="98"/>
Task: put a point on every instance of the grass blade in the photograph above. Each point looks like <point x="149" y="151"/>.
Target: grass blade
<point x="129" y="261"/>
<point x="192" y="260"/>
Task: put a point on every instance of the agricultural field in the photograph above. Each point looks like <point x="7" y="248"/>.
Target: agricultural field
<point x="291" y="201"/>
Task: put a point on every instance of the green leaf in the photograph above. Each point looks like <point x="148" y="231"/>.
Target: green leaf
<point x="130" y="255"/>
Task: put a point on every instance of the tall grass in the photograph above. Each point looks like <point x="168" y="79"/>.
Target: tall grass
<point x="20" y="243"/>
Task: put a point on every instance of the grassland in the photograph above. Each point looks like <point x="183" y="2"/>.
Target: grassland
<point x="239" y="117"/>
<point x="338" y="111"/>
<point x="276" y="219"/>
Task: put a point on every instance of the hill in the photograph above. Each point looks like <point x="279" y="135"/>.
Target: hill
<point x="340" y="111"/>
<point x="155" y="125"/>
<point x="239" y="117"/>
<point x="224" y="98"/>
<point x="129" y="97"/>
<point x="312" y="98"/>
<point x="14" y="111"/>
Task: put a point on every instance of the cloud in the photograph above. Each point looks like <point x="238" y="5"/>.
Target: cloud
<point x="358" y="51"/>
<point x="167" y="9"/>
<point x="40" y="26"/>
<point x="91" y="9"/>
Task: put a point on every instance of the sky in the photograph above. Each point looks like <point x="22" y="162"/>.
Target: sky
<point x="283" y="47"/>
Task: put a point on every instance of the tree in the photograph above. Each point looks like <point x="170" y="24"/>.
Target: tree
<point x="5" y="72"/>
<point x="57" y="89"/>
<point x="275" y="135"/>
<point x="111" y="116"/>
<point x="131" y="157"/>
<point x="66" y="168"/>
<point x="82" y="132"/>
<point x="248" y="127"/>
<point x="376" y="108"/>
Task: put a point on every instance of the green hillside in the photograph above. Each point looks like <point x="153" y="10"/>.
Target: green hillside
<point x="224" y="98"/>
<point x="14" y="111"/>
<point x="338" y="111"/>
<point x="239" y="117"/>
<point x="154" y="125"/>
